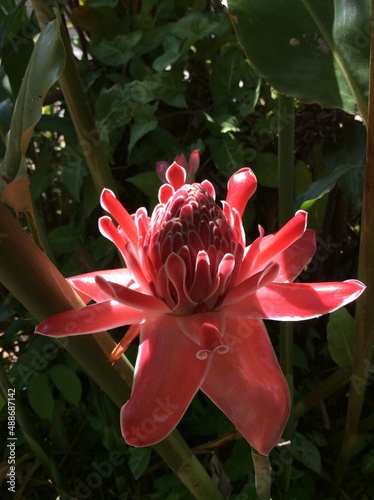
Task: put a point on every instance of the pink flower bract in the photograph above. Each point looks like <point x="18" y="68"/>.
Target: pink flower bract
<point x="191" y="166"/>
<point x="197" y="296"/>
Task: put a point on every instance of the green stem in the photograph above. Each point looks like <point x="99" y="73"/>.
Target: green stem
<point x="364" y="335"/>
<point x="29" y="275"/>
<point x="262" y="468"/>
<point x="286" y="121"/>
<point x="78" y="106"/>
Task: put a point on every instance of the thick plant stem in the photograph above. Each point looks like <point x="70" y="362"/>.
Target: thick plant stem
<point x="286" y="127"/>
<point x="262" y="468"/>
<point x="285" y="203"/>
<point x="364" y="335"/>
<point x="78" y="106"/>
<point x="33" y="280"/>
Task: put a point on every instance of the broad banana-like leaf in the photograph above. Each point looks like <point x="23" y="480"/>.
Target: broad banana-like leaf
<point x="313" y="50"/>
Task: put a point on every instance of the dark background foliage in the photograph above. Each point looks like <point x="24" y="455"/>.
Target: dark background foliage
<point x="163" y="78"/>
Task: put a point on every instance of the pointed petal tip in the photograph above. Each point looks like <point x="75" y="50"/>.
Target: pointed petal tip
<point x="58" y="326"/>
<point x="176" y="175"/>
<point x="106" y="194"/>
<point x="194" y="160"/>
<point x="358" y="287"/>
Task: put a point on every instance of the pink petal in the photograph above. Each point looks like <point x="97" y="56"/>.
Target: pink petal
<point x="181" y="160"/>
<point x="136" y="269"/>
<point x="296" y="301"/>
<point x="161" y="167"/>
<point x="86" y="287"/>
<point x="273" y="245"/>
<point x="194" y="161"/>
<point x="110" y="203"/>
<point x="175" y="269"/>
<point x="110" y="231"/>
<point x="167" y="376"/>
<point x="176" y="175"/>
<point x="250" y="257"/>
<point x="202" y="279"/>
<point x="240" y="188"/>
<point x="91" y="319"/>
<point x="247" y="384"/>
<point x="251" y="284"/>
<point x="191" y="326"/>
<point x="131" y="297"/>
<point x="210" y="188"/>
<point x="294" y="259"/>
<point x="165" y="192"/>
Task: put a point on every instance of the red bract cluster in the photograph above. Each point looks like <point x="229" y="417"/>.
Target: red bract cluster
<point x="197" y="295"/>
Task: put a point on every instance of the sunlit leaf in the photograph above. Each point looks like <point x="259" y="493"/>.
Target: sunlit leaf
<point x="319" y="188"/>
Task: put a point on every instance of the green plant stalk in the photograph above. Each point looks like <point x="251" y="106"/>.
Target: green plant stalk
<point x="364" y="333"/>
<point x="34" y="440"/>
<point x="262" y="468"/>
<point x="79" y="108"/>
<point x="30" y="276"/>
<point x="286" y="112"/>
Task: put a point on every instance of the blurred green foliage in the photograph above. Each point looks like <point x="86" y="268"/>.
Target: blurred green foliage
<point x="163" y="78"/>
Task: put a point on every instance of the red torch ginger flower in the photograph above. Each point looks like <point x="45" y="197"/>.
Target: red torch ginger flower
<point x="197" y="296"/>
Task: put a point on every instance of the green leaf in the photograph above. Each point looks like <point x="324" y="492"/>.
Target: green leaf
<point x="112" y="107"/>
<point x="144" y="122"/>
<point x="316" y="51"/>
<point x="102" y="3"/>
<point x="40" y="396"/>
<point x="319" y="188"/>
<point x="306" y="452"/>
<point x="265" y="168"/>
<point x="148" y="182"/>
<point x="367" y="464"/>
<point x="172" y="53"/>
<point x="303" y="177"/>
<point x="168" y="87"/>
<point x="44" y="68"/>
<point x="41" y="176"/>
<point x="340" y="337"/>
<point x="67" y="382"/>
<point x="239" y="464"/>
<point x="234" y="84"/>
<point x="196" y="26"/>
<point x="352" y="186"/>
<point x="117" y="51"/>
<point x="227" y="153"/>
<point x="72" y="176"/>
<point x="139" y="461"/>
<point x="64" y="239"/>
